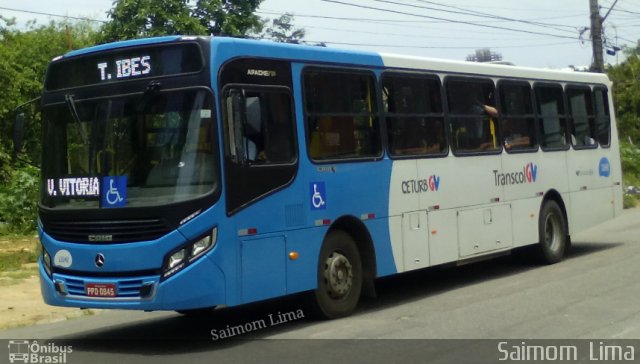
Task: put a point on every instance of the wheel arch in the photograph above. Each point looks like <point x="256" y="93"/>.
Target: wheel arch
<point x="360" y="234"/>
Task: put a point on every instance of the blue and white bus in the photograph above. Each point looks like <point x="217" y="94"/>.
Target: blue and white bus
<point x="182" y="173"/>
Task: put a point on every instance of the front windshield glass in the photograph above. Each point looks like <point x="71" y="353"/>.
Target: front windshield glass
<point x="129" y="151"/>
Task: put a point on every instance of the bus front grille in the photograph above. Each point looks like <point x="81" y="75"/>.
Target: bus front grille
<point x="106" y="232"/>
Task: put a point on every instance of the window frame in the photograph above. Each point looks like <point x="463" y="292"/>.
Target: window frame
<point x="246" y="183"/>
<point x="502" y="115"/>
<point x="376" y="114"/>
<point x="386" y="115"/>
<point x="590" y="117"/>
<point x="539" y="118"/>
<point x="605" y="92"/>
<point x="260" y="88"/>
<point x="449" y="115"/>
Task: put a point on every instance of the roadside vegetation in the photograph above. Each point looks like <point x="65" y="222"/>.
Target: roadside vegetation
<point x="626" y="81"/>
<point x="630" y="155"/>
<point x="18" y="254"/>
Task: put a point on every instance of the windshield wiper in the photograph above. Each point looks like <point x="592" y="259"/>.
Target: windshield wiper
<point x="74" y="114"/>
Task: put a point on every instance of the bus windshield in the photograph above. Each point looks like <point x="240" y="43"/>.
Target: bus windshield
<point x="158" y="147"/>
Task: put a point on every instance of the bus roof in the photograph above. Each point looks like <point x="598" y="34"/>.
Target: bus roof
<point x="228" y="48"/>
<point x="121" y="44"/>
<point x="342" y="56"/>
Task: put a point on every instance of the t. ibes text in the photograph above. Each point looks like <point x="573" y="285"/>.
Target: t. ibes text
<point x="125" y="68"/>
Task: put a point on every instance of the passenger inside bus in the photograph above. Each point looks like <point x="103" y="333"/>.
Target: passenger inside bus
<point x="492" y="113"/>
<point x="473" y="127"/>
<point x="517" y="124"/>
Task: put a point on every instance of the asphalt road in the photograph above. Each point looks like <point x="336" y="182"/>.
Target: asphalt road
<point x="593" y="294"/>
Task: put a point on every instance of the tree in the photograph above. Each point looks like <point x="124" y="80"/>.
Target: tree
<point x="24" y="56"/>
<point x="281" y="30"/>
<point x="626" y="93"/>
<point x="228" y="17"/>
<point x="131" y="19"/>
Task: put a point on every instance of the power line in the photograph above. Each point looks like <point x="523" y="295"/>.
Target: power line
<point x="623" y="11"/>
<point x="435" y="47"/>
<point x="54" y="15"/>
<point x="404" y="35"/>
<point x="376" y="20"/>
<point x="385" y="22"/>
<point x="450" y="20"/>
<point x="464" y="11"/>
<point x="379" y="20"/>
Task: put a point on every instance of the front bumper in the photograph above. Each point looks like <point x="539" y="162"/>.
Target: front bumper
<point x="199" y="285"/>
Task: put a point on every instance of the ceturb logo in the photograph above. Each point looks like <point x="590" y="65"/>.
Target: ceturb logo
<point x="528" y="174"/>
<point x="421" y="185"/>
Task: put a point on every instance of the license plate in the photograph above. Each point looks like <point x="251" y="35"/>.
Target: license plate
<point x="100" y="289"/>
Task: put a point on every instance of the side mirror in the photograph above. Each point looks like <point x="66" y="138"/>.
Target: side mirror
<point x="18" y="134"/>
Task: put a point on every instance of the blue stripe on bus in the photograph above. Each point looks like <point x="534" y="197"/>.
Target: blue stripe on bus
<point x="370" y="187"/>
<point x="222" y="52"/>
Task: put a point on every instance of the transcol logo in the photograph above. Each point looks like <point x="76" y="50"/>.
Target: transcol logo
<point x="528" y="174"/>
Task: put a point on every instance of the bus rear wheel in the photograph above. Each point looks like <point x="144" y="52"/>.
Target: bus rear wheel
<point x="552" y="230"/>
<point x="339" y="276"/>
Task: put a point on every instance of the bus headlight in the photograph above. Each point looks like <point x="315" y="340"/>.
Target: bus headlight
<point x="203" y="245"/>
<point x="200" y="246"/>
<point x="185" y="255"/>
<point x="176" y="258"/>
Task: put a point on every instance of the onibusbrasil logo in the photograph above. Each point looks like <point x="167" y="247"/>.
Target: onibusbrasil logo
<point x="32" y="352"/>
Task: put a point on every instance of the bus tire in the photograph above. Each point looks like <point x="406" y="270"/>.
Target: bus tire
<point x="339" y="276"/>
<point x="552" y="230"/>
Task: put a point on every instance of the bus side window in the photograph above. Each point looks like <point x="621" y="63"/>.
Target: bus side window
<point x="603" y="120"/>
<point x="582" y="116"/>
<point x="518" y="129"/>
<point x="472" y="114"/>
<point x="259" y="126"/>
<point x="341" y="108"/>
<point x="413" y="111"/>
<point x="552" y="121"/>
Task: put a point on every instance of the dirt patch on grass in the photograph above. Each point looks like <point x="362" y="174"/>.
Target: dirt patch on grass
<point x="22" y="303"/>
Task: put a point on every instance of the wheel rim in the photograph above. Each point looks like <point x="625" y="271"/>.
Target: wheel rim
<point x="552" y="231"/>
<point x="338" y="275"/>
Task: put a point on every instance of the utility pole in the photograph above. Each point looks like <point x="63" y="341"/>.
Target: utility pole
<point x="596" y="36"/>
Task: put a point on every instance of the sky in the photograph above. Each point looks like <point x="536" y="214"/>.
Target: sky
<point x="535" y="33"/>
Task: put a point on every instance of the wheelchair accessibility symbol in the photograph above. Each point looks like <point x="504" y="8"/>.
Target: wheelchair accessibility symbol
<point x="114" y="191"/>
<point x="318" y="196"/>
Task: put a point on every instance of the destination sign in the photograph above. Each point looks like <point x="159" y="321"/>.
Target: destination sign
<point x="124" y="64"/>
<point x="83" y="187"/>
<point x="125" y="68"/>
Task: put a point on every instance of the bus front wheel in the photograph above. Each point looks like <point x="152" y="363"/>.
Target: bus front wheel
<point x="339" y="276"/>
<point x="552" y="230"/>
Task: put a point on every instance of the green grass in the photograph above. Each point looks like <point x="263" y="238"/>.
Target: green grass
<point x="16" y="250"/>
<point x="13" y="260"/>
<point x="630" y="201"/>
